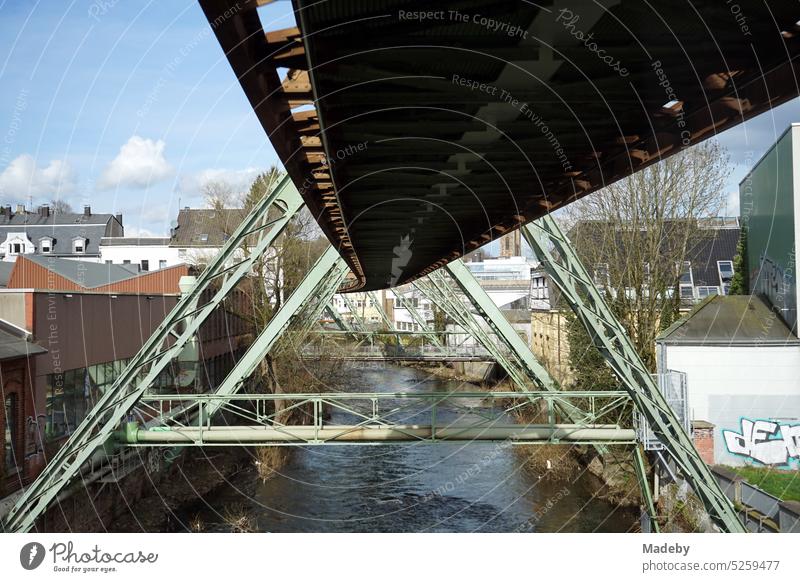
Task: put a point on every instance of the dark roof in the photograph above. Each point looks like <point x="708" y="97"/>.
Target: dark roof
<point x="729" y="321"/>
<point x="708" y="246"/>
<point x="14" y="342"/>
<point x="203" y="227"/>
<point x="54" y="219"/>
<point x="718" y="244"/>
<point x="5" y="272"/>
<point x="63" y="228"/>
<point x="116" y="241"/>
<point x="85" y="273"/>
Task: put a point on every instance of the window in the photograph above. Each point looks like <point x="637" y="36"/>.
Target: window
<point x="686" y="280"/>
<point x="126" y="262"/>
<point x="200" y="238"/>
<point x="162" y="264"/>
<point x="79" y="246"/>
<point x="725" y="269"/>
<point x="16" y="248"/>
<point x="10" y="441"/>
<point x="145" y="265"/>
<point x="67" y="400"/>
<point x="703" y="292"/>
<point x="46" y="245"/>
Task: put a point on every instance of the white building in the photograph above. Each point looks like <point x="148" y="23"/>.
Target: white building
<point x="150" y="253"/>
<point x="743" y="376"/>
<point x="505" y="279"/>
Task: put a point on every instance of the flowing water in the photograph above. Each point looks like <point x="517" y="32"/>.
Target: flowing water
<point x="410" y="487"/>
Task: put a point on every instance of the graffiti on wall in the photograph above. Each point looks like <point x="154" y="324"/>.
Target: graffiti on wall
<point x="767" y="442"/>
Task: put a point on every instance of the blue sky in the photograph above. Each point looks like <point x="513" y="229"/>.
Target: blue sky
<point x="127" y="108"/>
<point x="131" y="106"/>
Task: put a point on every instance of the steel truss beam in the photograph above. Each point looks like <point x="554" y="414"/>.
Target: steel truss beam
<point x="258" y="231"/>
<point x="372" y="347"/>
<point x="578" y="290"/>
<point x="378" y="417"/>
<point x="504" y="343"/>
<point x="337" y="318"/>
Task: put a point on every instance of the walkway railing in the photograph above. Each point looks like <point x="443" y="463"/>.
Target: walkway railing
<point x="375" y="418"/>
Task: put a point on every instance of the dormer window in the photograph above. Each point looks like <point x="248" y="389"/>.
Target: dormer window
<point x="79" y="246"/>
<point x="46" y="245"/>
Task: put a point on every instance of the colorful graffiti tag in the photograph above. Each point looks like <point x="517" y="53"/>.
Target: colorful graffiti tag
<point x="765" y="441"/>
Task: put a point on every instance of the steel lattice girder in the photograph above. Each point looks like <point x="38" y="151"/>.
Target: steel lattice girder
<point x="167" y="341"/>
<point x="327" y="273"/>
<point x="416" y="316"/>
<point x="378" y="417"/>
<point x="570" y="276"/>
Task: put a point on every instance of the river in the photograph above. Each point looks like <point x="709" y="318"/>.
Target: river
<point x="447" y="487"/>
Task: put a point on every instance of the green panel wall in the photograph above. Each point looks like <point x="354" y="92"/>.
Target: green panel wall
<point x="767" y="205"/>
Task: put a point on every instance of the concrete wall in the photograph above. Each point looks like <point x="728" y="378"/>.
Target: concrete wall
<point x="12" y="308"/>
<point x="750" y="394"/>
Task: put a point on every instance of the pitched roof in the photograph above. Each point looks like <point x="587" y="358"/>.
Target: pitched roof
<point x="708" y="245"/>
<point x="5" y="272"/>
<point x="84" y="273"/>
<point x="718" y="244"/>
<point x="62" y="228"/>
<point x="54" y="274"/>
<point x="14" y="342"/>
<point x="54" y="219"/>
<point x="730" y="320"/>
<point x="202" y="227"/>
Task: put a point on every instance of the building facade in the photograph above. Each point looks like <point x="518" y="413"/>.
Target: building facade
<point x="55" y="234"/>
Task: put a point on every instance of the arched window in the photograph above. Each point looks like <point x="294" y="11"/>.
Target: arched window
<point x="46" y="245"/>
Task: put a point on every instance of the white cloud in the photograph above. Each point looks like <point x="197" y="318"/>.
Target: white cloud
<point x="23" y="178"/>
<point x="140" y="163"/>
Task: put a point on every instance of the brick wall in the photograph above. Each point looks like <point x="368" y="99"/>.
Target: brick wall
<point x="703" y="437"/>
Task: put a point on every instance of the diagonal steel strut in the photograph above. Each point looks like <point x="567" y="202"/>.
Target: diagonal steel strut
<point x="573" y="281"/>
<point x="167" y="341"/>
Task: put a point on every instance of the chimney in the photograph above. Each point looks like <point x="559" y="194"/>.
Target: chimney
<point x="87" y="210"/>
<point x="20" y="209"/>
<point x="7" y="210"/>
<point x="119" y="219"/>
<point x="44" y="210"/>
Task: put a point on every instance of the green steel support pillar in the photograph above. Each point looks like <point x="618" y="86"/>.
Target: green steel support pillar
<point x="573" y="281"/>
<point x="644" y="485"/>
<point x="265" y="222"/>
<point x="323" y="279"/>
<point x="360" y="325"/>
<point x="517" y="359"/>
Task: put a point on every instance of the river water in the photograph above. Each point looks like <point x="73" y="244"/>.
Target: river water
<point x="409" y="487"/>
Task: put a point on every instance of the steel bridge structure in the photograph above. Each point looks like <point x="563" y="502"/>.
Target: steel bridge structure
<point x="427" y="169"/>
<point x="396" y="346"/>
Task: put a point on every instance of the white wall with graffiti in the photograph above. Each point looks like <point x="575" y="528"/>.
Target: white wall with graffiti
<point x="751" y="394"/>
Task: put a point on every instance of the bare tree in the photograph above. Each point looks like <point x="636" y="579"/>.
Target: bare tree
<point x="58" y="206"/>
<point x="635" y="236"/>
